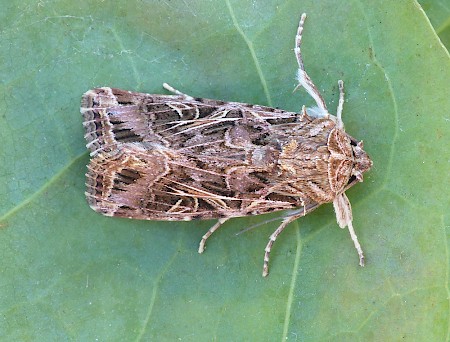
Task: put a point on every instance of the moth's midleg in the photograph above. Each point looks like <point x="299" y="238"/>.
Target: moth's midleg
<point x="303" y="78"/>
<point x="211" y="230"/>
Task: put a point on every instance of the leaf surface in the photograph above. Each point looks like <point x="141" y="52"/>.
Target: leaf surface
<point x="71" y="274"/>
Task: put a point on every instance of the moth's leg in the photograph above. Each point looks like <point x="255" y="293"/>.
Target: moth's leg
<point x="177" y="92"/>
<point x="211" y="230"/>
<point x="340" y="107"/>
<point x="303" y="79"/>
<point x="273" y="238"/>
<point x="344" y="217"/>
<point x="300" y="212"/>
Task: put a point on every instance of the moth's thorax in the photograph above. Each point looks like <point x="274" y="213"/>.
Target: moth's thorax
<point x="326" y="162"/>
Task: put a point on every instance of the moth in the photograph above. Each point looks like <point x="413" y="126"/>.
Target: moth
<point x="181" y="158"/>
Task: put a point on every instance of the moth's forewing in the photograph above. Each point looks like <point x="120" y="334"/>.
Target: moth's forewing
<point x="220" y="159"/>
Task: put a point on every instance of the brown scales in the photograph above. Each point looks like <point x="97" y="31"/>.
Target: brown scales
<point x="175" y="157"/>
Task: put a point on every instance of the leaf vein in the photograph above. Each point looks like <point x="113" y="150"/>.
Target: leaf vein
<point x="253" y="54"/>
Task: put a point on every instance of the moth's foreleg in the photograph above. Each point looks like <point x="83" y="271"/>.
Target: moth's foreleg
<point x="356" y="243"/>
<point x="177" y="92"/>
<point x="211" y="230"/>
<point x="344" y="217"/>
<point x="303" y="78"/>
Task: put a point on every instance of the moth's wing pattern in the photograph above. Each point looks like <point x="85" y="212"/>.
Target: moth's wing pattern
<point x="216" y="160"/>
<point x="138" y="183"/>
<point x="118" y="181"/>
<point x="113" y="117"/>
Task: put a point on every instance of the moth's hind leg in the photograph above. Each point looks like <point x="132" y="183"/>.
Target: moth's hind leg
<point x="302" y="211"/>
<point x="273" y="238"/>
<point x="303" y="78"/>
<point x="177" y="92"/>
<point x="211" y="230"/>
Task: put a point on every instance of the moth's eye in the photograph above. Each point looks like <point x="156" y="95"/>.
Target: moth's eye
<point x="351" y="180"/>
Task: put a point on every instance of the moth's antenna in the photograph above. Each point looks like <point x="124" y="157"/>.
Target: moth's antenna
<point x="303" y="78"/>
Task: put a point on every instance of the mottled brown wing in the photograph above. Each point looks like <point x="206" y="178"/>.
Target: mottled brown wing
<point x="161" y="158"/>
<point x="134" y="182"/>
<point x="113" y="117"/>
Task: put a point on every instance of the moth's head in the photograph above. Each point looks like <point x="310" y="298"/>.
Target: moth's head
<point x="361" y="161"/>
<point x="347" y="162"/>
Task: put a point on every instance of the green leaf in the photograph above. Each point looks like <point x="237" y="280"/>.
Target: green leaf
<point x="69" y="273"/>
<point x="439" y="13"/>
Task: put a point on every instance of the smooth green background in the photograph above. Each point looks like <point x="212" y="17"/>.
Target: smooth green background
<point x="68" y="273"/>
<point x="439" y="14"/>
